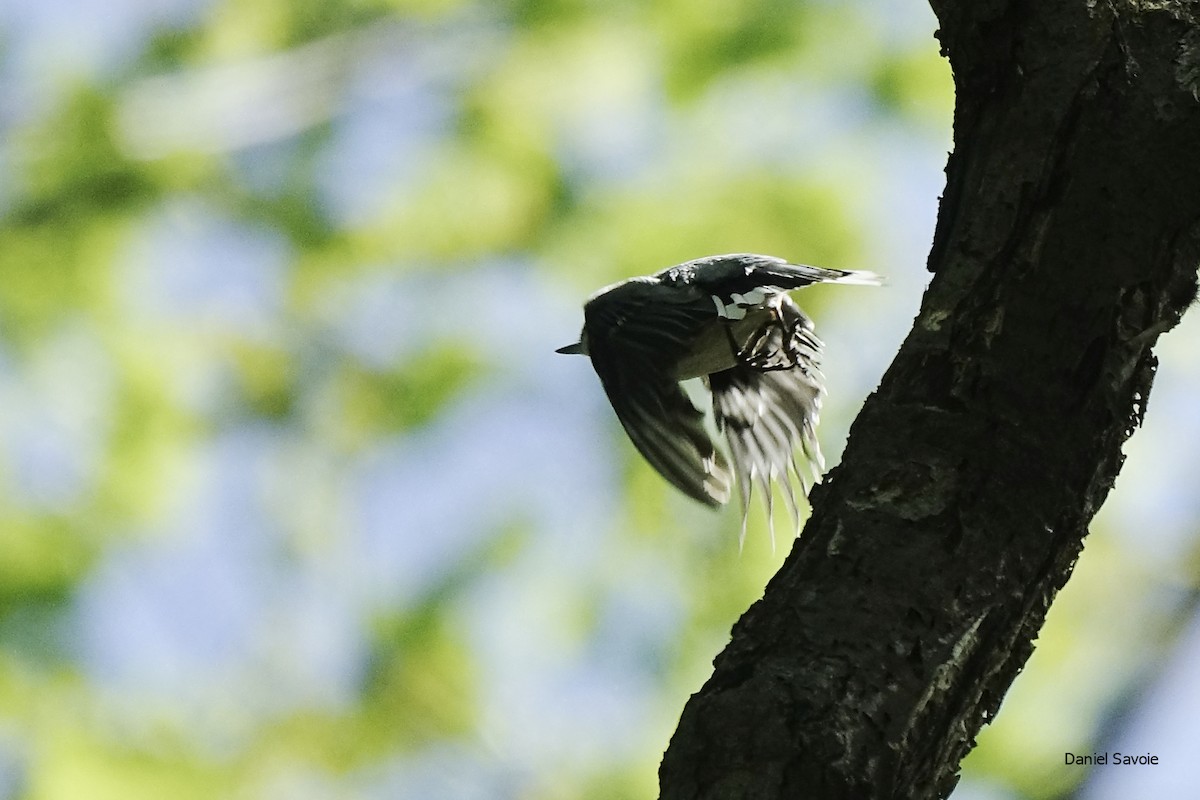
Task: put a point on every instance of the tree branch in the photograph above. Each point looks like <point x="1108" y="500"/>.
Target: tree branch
<point x="1067" y="241"/>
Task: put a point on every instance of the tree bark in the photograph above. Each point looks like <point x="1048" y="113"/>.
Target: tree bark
<point x="1067" y="241"/>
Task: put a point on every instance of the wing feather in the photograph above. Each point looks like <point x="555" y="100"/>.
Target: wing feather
<point x="636" y="335"/>
<point x="767" y="415"/>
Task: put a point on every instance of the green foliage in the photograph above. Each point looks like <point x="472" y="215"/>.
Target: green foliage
<point x="75" y="169"/>
<point x="711" y="38"/>
<point x="43" y="561"/>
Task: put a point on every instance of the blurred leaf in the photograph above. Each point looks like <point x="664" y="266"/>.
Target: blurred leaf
<point x="375" y="403"/>
<point x="74" y="167"/>
<point x="915" y="84"/>
<point x="469" y="203"/>
<point x="72" y="765"/>
<point x="713" y="37"/>
<point x="268" y="379"/>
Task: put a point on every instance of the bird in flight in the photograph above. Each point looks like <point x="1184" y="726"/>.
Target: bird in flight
<point x="729" y="321"/>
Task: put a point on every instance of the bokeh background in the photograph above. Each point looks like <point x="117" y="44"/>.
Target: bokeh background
<point x="296" y="500"/>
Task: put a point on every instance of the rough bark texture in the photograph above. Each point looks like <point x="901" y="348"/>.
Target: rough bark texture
<point x="1068" y="240"/>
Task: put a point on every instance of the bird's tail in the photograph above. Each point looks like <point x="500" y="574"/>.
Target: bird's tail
<point x="786" y="275"/>
<point x="858" y="277"/>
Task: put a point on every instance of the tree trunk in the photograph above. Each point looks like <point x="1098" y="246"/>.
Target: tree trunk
<point x="1067" y="241"/>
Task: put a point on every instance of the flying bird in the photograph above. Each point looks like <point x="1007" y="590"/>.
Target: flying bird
<point x="729" y="321"/>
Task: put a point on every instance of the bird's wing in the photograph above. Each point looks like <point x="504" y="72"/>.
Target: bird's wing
<point x="635" y="336"/>
<point x="768" y="409"/>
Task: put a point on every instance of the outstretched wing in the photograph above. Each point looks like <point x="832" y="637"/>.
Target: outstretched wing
<point x="768" y="407"/>
<point x="636" y="334"/>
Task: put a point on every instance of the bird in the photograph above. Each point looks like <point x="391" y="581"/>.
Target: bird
<point x="729" y="321"/>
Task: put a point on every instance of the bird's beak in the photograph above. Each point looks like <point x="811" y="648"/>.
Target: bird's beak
<point x="571" y="349"/>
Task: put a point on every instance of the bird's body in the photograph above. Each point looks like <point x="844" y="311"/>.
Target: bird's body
<point x="730" y="321"/>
